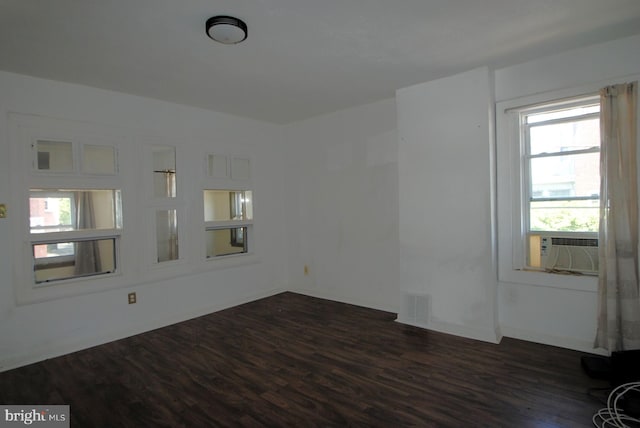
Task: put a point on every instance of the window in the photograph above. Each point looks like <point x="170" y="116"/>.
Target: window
<point x="560" y="146"/>
<point x="73" y="232"/>
<point x="228" y="167"/>
<point x="67" y="193"/>
<point x="164" y="202"/>
<point x="228" y="216"/>
<point x="61" y="157"/>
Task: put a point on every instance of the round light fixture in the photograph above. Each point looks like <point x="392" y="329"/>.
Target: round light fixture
<point x="226" y="29"/>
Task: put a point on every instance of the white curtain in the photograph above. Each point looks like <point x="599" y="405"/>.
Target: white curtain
<point x="618" y="294"/>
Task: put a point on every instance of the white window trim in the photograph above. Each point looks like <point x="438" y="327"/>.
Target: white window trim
<point x="154" y="269"/>
<point x="135" y="237"/>
<point x="511" y="189"/>
<point x="227" y="224"/>
<point x="24" y="130"/>
<point x="229" y="183"/>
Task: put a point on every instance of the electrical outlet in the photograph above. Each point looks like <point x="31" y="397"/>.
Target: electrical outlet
<point x="306" y="270"/>
<point x="132" y="298"/>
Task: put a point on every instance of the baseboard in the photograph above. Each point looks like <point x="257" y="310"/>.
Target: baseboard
<point x="546" y="339"/>
<point x="70" y="346"/>
<point x="484" y="335"/>
<point x="344" y="299"/>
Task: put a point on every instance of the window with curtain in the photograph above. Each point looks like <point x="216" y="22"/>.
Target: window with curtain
<point x="74" y="231"/>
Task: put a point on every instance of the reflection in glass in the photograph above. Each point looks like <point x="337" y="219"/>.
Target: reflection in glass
<point x="55" y="210"/>
<point x="225" y="205"/>
<point x="72" y="259"/>
<point x="164" y="172"/>
<point x="563" y="113"/>
<point x="54" y="156"/>
<point x="564" y="137"/>
<point x="566" y="176"/>
<point x="167" y="235"/>
<point x="227" y="241"/>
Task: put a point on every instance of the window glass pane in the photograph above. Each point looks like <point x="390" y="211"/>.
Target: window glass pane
<point x="568" y="216"/>
<point x="224" y="242"/>
<point x="167" y="235"/>
<point x="562" y="137"/>
<point x="64" y="260"/>
<point x="54" y="156"/>
<point x="225" y="205"/>
<point x="57" y="249"/>
<point x="566" y="176"/>
<point x="164" y="172"/>
<point x="98" y="159"/>
<point x="64" y="210"/>
<point x="562" y="114"/>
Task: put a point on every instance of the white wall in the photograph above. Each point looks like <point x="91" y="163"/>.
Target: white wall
<point x="373" y="217"/>
<point x="562" y="311"/>
<point x="446" y="213"/>
<point x="36" y="331"/>
<point x="342" y="205"/>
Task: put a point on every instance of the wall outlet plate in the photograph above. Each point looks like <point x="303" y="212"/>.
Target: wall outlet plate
<point x="132" y="298"/>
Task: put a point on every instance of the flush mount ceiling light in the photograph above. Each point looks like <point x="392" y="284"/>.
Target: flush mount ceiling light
<point x="226" y="29"/>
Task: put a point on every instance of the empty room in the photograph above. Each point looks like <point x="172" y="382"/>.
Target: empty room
<point x="297" y="213"/>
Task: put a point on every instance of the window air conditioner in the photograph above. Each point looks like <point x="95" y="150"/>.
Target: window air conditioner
<point x="558" y="253"/>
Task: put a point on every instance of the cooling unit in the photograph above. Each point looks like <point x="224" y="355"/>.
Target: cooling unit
<point x="558" y="253"/>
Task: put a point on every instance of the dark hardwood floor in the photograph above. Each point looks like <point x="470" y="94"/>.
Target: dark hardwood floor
<point x="296" y="361"/>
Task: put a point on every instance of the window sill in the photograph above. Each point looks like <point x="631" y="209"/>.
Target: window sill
<point x="80" y="286"/>
<point x="68" y="287"/>
<point x="232" y="260"/>
<point x="178" y="268"/>
<point x="585" y="283"/>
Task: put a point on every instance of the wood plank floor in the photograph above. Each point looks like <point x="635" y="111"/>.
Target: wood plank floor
<point x="297" y="361"/>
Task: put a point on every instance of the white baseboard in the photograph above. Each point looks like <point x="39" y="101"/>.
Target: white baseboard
<point x="68" y="346"/>
<point x="345" y="299"/>
<point x="546" y="339"/>
<point x="484" y="335"/>
<point x="487" y="335"/>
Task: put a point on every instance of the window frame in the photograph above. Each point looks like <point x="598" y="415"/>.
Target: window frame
<point x="24" y="133"/>
<point x="233" y="224"/>
<point x="513" y="192"/>
<point x="136" y="241"/>
<point x="230" y="172"/>
<point x="172" y="202"/>
<point x="74" y="235"/>
<point x="527" y="158"/>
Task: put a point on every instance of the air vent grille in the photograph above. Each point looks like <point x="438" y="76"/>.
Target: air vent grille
<point x="575" y="242"/>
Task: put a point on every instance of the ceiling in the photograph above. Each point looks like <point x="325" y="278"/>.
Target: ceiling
<point x="302" y="57"/>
